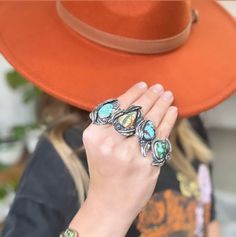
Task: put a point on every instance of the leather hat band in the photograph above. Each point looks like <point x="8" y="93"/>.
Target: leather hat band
<point x="120" y="42"/>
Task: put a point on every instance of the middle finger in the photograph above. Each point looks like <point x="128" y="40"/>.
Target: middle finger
<point x="148" y="99"/>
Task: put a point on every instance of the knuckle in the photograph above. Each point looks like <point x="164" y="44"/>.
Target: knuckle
<point x="166" y="126"/>
<point x="87" y="135"/>
<point x="155" y="115"/>
<point x="149" y="95"/>
<point x="163" y="133"/>
<point x="164" y="130"/>
<point x="107" y="146"/>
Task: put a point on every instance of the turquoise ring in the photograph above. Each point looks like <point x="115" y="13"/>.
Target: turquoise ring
<point x="104" y="112"/>
<point x="125" y="121"/>
<point x="161" y="150"/>
<point x="146" y="133"/>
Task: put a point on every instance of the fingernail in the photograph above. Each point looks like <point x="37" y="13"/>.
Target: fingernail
<point x="141" y="85"/>
<point x="167" y="95"/>
<point x="156" y="88"/>
<point x="173" y="109"/>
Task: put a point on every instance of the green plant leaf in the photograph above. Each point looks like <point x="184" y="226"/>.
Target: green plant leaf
<point x="19" y="132"/>
<point x="31" y="93"/>
<point x="3" y="192"/>
<point x="15" y="80"/>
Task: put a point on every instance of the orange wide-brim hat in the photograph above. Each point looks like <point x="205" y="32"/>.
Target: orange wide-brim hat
<point x="84" y="52"/>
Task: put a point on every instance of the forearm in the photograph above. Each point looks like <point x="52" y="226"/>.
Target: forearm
<point x="95" y="220"/>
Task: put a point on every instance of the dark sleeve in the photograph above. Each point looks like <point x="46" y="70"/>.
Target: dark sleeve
<point x="46" y="199"/>
<point x="198" y="126"/>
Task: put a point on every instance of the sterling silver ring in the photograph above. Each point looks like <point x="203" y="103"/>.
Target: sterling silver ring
<point x="145" y="132"/>
<point x="125" y="121"/>
<point x="161" y="149"/>
<point x="104" y="112"/>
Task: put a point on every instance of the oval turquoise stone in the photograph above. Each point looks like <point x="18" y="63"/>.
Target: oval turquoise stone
<point x="105" y="111"/>
<point x="162" y="148"/>
<point x="149" y="131"/>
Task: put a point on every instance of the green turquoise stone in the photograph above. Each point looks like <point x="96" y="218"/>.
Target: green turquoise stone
<point x="105" y="111"/>
<point x="149" y="131"/>
<point x="70" y="233"/>
<point x="162" y="148"/>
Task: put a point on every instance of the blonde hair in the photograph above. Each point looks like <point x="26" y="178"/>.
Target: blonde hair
<point x="69" y="156"/>
<point x="192" y="146"/>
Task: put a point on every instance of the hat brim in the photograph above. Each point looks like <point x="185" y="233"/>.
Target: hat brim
<point x="201" y="73"/>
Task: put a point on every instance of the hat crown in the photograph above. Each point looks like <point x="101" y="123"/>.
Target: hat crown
<point x="146" y="20"/>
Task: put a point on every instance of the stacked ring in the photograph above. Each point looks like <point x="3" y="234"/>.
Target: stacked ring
<point x="125" y="121"/>
<point x="129" y="122"/>
<point x="103" y="113"/>
<point x="161" y="149"/>
<point x="145" y="132"/>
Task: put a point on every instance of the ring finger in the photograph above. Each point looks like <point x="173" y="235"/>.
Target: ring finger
<point x="160" y="108"/>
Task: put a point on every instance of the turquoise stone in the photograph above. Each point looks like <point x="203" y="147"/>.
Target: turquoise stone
<point x="105" y="111"/>
<point x="162" y="148"/>
<point x="70" y="233"/>
<point x="149" y="131"/>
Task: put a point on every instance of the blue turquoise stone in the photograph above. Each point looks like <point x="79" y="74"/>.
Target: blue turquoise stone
<point x="105" y="111"/>
<point x="149" y="131"/>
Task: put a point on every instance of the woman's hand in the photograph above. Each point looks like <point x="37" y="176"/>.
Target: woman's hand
<point x="121" y="179"/>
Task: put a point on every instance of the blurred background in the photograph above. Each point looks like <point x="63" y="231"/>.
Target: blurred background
<point x="25" y="113"/>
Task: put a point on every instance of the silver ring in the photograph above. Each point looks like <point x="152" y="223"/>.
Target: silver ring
<point x="161" y="149"/>
<point x="104" y="112"/>
<point x="146" y="133"/>
<point x="125" y="121"/>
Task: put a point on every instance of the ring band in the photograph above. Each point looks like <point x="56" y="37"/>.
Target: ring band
<point x="125" y="121"/>
<point x="145" y="132"/>
<point x="161" y="149"/>
<point x="103" y="113"/>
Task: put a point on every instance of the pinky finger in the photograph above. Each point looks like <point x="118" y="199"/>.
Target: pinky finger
<point x="167" y="123"/>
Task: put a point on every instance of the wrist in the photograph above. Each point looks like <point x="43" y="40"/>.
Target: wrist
<point x="95" y="218"/>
